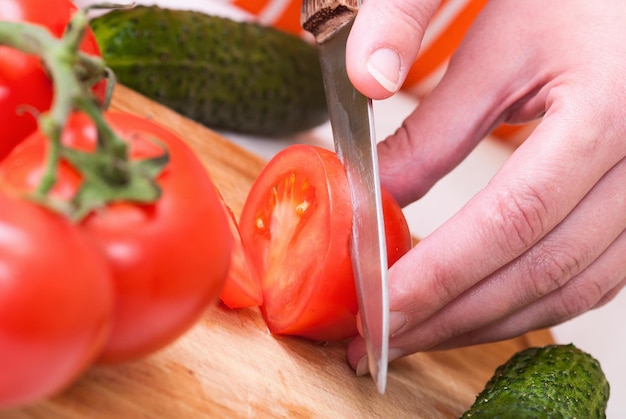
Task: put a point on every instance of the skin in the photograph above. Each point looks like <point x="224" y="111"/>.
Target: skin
<point x="545" y="240"/>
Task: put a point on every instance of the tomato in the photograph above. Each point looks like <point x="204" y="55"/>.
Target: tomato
<point x="25" y="89"/>
<point x="296" y="224"/>
<point x="397" y="232"/>
<point x="242" y="287"/>
<point x="170" y="258"/>
<point x="56" y="302"/>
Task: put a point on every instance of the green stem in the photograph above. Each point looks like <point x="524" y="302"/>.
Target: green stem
<point x="112" y="145"/>
<point x="29" y="39"/>
<point x="49" y="176"/>
<point x="108" y="173"/>
<point x="51" y="123"/>
<point x="61" y="58"/>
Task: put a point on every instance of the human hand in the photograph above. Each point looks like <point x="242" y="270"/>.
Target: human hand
<point x="545" y="240"/>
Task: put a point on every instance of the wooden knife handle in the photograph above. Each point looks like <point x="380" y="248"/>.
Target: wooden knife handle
<point x="323" y="17"/>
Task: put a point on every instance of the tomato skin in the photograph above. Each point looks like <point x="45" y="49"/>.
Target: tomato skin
<point x="56" y="302"/>
<point x="170" y="258"/>
<point x="296" y="224"/>
<point x="397" y="232"/>
<point x="25" y="89"/>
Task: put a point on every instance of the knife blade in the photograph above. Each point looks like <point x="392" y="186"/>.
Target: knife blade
<point x="351" y="118"/>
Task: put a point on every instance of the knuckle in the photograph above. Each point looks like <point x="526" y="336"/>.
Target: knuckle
<point x="609" y="296"/>
<point x="442" y="285"/>
<point x="441" y="331"/>
<point x="415" y="15"/>
<point x="583" y="297"/>
<point x="552" y="269"/>
<point x="520" y="219"/>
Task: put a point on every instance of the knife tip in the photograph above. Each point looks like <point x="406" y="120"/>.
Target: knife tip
<point x="379" y="374"/>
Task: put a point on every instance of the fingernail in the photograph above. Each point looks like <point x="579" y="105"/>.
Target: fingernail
<point x="395" y="353"/>
<point x="384" y="66"/>
<point x="397" y="320"/>
<point x="362" y="367"/>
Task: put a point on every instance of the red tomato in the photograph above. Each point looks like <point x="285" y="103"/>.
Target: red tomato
<point x="296" y="224"/>
<point x="170" y="258"/>
<point x="56" y="302"/>
<point x="25" y="89"/>
<point x="397" y="232"/>
<point x="242" y="288"/>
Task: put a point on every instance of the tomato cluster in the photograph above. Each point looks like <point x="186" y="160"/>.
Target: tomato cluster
<point x="131" y="276"/>
<point x="162" y="263"/>
<point x="121" y="282"/>
<point x="25" y="88"/>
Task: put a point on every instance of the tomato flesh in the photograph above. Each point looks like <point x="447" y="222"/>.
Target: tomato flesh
<point x="296" y="224"/>
<point x="242" y="288"/>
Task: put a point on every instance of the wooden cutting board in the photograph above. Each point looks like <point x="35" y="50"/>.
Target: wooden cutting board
<point x="229" y="365"/>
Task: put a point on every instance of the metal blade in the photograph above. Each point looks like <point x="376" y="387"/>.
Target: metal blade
<point x="352" y="124"/>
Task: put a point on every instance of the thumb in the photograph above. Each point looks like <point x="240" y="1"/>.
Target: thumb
<point x="383" y="43"/>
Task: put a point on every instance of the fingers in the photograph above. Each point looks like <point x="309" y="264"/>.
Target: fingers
<point x="578" y="266"/>
<point x="543" y="241"/>
<point x="517" y="209"/>
<point x="510" y="67"/>
<point x="384" y="42"/>
<point x="488" y="80"/>
<point x="566" y="273"/>
<point x="597" y="285"/>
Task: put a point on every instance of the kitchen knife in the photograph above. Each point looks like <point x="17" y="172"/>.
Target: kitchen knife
<point x="353" y="133"/>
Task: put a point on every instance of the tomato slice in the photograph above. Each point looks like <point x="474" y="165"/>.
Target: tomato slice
<point x="296" y="225"/>
<point x="242" y="288"/>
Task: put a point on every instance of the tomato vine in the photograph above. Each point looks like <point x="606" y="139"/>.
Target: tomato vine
<point x="147" y="223"/>
<point x="109" y="175"/>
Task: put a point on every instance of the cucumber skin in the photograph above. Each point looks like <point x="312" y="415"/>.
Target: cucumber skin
<point x="227" y="75"/>
<point x="555" y="381"/>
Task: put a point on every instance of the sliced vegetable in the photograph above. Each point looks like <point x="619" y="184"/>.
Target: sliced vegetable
<point x="242" y="288"/>
<point x="296" y="225"/>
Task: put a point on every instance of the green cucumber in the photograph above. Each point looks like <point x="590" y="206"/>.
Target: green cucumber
<point x="555" y="381"/>
<point x="225" y="74"/>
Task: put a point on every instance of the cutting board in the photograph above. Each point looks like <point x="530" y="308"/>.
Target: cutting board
<point x="229" y="365"/>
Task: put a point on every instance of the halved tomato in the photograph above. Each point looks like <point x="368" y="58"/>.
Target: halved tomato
<point x="296" y="226"/>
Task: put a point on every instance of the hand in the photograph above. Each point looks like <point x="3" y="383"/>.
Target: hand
<point x="545" y="240"/>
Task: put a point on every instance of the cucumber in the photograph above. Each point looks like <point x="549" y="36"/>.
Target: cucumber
<point x="227" y="75"/>
<point x="555" y="381"/>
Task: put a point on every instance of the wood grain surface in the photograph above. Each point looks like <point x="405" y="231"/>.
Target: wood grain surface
<point x="230" y="366"/>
